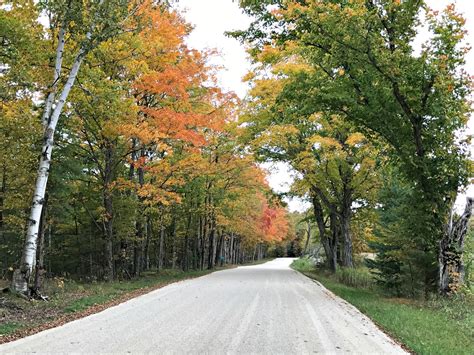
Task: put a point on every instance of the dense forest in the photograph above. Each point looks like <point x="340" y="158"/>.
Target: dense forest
<point x="120" y="153"/>
<point x="146" y="170"/>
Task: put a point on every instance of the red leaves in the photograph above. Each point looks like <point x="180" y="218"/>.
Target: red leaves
<point x="274" y="223"/>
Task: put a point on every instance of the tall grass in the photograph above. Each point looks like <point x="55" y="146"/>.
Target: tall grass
<point x="360" y="278"/>
<point x="354" y="277"/>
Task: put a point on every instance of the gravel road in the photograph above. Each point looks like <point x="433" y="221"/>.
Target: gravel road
<point x="261" y="309"/>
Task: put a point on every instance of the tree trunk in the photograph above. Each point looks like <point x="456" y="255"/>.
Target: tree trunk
<point x="39" y="272"/>
<point x="139" y="232"/>
<point x="231" y="248"/>
<point x="146" y="261"/>
<point x="21" y="277"/>
<point x="329" y="244"/>
<point x="3" y="190"/>
<point x="108" y="219"/>
<point x="334" y="240"/>
<point x="451" y="247"/>
<point x="345" y="219"/>
<point x="173" y="241"/>
<point x="109" y="236"/>
<point x="219" y="249"/>
<point x="185" y="264"/>
<point x="308" y="231"/>
<point x="161" y="253"/>
<point x="347" y="260"/>
<point x="212" y="248"/>
<point x="202" y="241"/>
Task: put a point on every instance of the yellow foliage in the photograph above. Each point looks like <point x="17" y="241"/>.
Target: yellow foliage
<point x="324" y="142"/>
<point x="269" y="54"/>
<point x="355" y="138"/>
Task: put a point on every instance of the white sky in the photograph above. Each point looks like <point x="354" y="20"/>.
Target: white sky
<point x="211" y="18"/>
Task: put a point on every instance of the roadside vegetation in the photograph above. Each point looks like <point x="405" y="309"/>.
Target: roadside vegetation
<point x="433" y="326"/>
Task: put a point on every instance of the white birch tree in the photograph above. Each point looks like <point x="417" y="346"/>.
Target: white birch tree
<point x="94" y="22"/>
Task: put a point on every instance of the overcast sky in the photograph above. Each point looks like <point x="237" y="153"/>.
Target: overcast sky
<point x="211" y="18"/>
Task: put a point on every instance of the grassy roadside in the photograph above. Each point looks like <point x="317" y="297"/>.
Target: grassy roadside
<point x="437" y="327"/>
<point x="71" y="300"/>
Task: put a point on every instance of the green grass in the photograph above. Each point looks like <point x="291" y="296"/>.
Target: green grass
<point x="434" y="327"/>
<point x="86" y="302"/>
<point x="9" y="327"/>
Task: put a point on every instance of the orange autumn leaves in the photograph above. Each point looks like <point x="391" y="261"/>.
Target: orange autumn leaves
<point x="186" y="124"/>
<point x="274" y="222"/>
<point x="174" y="91"/>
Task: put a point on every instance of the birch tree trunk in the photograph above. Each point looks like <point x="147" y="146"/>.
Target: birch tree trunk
<point x="22" y="276"/>
<point x="56" y="76"/>
<point x="40" y="250"/>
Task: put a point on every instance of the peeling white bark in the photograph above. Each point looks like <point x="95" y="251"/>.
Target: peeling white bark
<point x="22" y="275"/>
<point x="57" y="73"/>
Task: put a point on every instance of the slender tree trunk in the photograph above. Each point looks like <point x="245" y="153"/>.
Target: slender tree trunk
<point x="231" y="246"/>
<point x="109" y="211"/>
<point x="3" y="191"/>
<point x="109" y="236"/>
<point x="451" y="247"/>
<point x="173" y="241"/>
<point x="308" y="231"/>
<point x="58" y="64"/>
<point x="139" y="232"/>
<point x="195" y="248"/>
<point x="334" y="240"/>
<point x="149" y="236"/>
<point x="40" y="250"/>
<point x="225" y="245"/>
<point x="212" y="248"/>
<point x="186" y="243"/>
<point x="91" y="263"/>
<point x="202" y="239"/>
<point x="22" y="275"/>
<point x="161" y="254"/>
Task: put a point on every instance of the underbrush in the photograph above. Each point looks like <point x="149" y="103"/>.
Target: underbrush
<point x="359" y="277"/>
